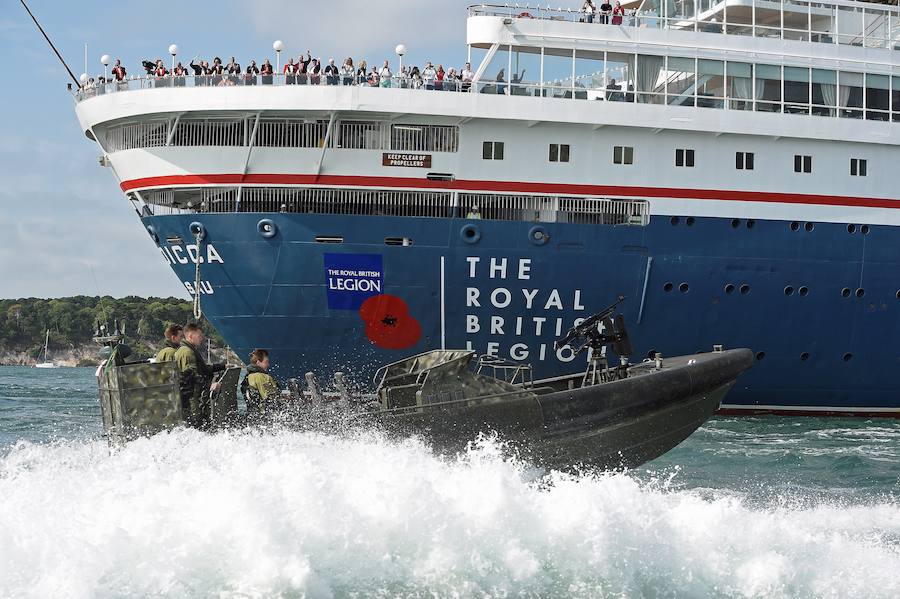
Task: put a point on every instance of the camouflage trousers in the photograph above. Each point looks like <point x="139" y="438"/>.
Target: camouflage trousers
<point x="197" y="410"/>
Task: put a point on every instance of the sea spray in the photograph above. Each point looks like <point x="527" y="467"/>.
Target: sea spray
<point x="320" y="515"/>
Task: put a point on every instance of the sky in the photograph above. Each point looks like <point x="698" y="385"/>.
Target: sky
<point x="65" y="227"/>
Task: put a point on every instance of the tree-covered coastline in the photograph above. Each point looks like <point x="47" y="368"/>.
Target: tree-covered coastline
<point x="73" y="320"/>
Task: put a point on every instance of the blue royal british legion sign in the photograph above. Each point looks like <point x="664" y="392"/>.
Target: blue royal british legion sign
<point x="351" y="279"/>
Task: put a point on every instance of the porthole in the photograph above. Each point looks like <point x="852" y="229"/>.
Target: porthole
<point x="538" y="235"/>
<point x="729" y="289"/>
<point x="795" y="226"/>
<point x="745" y="289"/>
<point x="751" y="223"/>
<point x="810" y="227"/>
<point x="804" y="356"/>
<point x="690" y="221"/>
<point x="668" y="287"/>
<point x="155" y="237"/>
<point x="851" y="229"/>
<point x="845" y="292"/>
<point x="847" y="357"/>
<point x="470" y="234"/>
<point x="789" y="290"/>
<point x="198" y="231"/>
<point x="760" y="356"/>
<point x="864" y="229"/>
<point x="860" y="293"/>
<point x="898" y="295"/>
<point x="804" y="291"/>
<point x="684" y="288"/>
<point x="675" y="220"/>
<point x="267" y="228"/>
<point x="736" y="223"/>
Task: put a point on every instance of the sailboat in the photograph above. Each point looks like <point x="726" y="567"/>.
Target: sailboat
<point x="46" y="363"/>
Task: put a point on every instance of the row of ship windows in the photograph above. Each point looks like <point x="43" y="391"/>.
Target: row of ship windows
<point x="789" y="290"/>
<point x="684" y="158"/>
<point x="736" y="223"/>
<point x="282" y="133"/>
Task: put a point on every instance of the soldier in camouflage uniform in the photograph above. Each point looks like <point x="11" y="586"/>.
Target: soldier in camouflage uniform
<point x="259" y="388"/>
<point x="196" y="378"/>
<point x="174" y="335"/>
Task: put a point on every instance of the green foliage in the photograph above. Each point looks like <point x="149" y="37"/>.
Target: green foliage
<point x="73" y="320"/>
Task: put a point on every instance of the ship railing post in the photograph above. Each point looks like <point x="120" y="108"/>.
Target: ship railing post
<point x="325" y="144"/>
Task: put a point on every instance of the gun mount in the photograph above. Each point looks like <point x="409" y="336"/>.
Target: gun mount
<point x="594" y="335"/>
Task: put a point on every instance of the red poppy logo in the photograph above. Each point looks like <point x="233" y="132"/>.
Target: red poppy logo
<point x="389" y="324"/>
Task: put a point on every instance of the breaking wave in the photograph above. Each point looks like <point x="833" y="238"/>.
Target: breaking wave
<point x="303" y="514"/>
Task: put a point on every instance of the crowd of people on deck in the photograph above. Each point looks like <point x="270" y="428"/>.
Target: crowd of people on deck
<point x="305" y="70"/>
<point x="605" y="13"/>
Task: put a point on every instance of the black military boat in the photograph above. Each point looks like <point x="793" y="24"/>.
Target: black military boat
<point x="607" y="417"/>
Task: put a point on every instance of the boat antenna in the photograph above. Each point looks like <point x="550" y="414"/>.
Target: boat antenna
<point x="46" y="37"/>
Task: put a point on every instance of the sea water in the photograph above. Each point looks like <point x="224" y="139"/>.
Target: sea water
<point x="754" y="507"/>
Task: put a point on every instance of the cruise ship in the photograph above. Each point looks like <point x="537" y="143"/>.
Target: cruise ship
<point x="725" y="165"/>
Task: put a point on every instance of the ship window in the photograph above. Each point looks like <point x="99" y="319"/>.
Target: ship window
<point x="711" y="83"/>
<point x="743" y="161"/>
<point x="895" y="97"/>
<point x="802" y="164"/>
<point x="740" y="85"/>
<point x="359" y="135"/>
<point x="850" y="98"/>
<point x="684" y="158"/>
<point x="877" y="97"/>
<point x="623" y="155"/>
<point x="492" y="150"/>
<point x="425" y="138"/>
<point x="768" y="88"/>
<point x="796" y="90"/>
<point x="824" y="92"/>
<point x="559" y="152"/>
<point x="858" y="167"/>
<point x="290" y="133"/>
<point x="682" y="81"/>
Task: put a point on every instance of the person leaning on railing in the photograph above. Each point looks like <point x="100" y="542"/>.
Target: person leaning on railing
<point x="347" y="71"/>
<point x="385" y="75"/>
<point x="315" y="72"/>
<point x="251" y="73"/>
<point x="267" y="72"/>
<point x="332" y="75"/>
<point x="605" y="11"/>
<point x="429" y="75"/>
<point x="588" y="9"/>
<point x="302" y="68"/>
<point x="118" y="71"/>
<point x="362" y="73"/>
<point x="217" y="70"/>
<point x="179" y="73"/>
<point x="289" y="69"/>
<point x="467" y="76"/>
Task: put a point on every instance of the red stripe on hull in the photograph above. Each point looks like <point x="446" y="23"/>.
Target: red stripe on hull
<point x="836" y="413"/>
<point x="511" y="187"/>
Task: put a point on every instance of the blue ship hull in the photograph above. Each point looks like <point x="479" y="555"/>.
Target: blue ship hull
<point x="817" y="303"/>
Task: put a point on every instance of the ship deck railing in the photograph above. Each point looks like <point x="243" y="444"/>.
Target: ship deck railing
<point x="696" y="94"/>
<point x="845" y="22"/>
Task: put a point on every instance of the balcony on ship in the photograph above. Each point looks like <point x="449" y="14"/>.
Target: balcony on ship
<point x="852" y="23"/>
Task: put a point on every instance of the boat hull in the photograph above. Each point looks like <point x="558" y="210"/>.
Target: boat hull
<point x="819" y="307"/>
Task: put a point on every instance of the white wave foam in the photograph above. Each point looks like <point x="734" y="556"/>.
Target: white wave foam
<point x="307" y="514"/>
